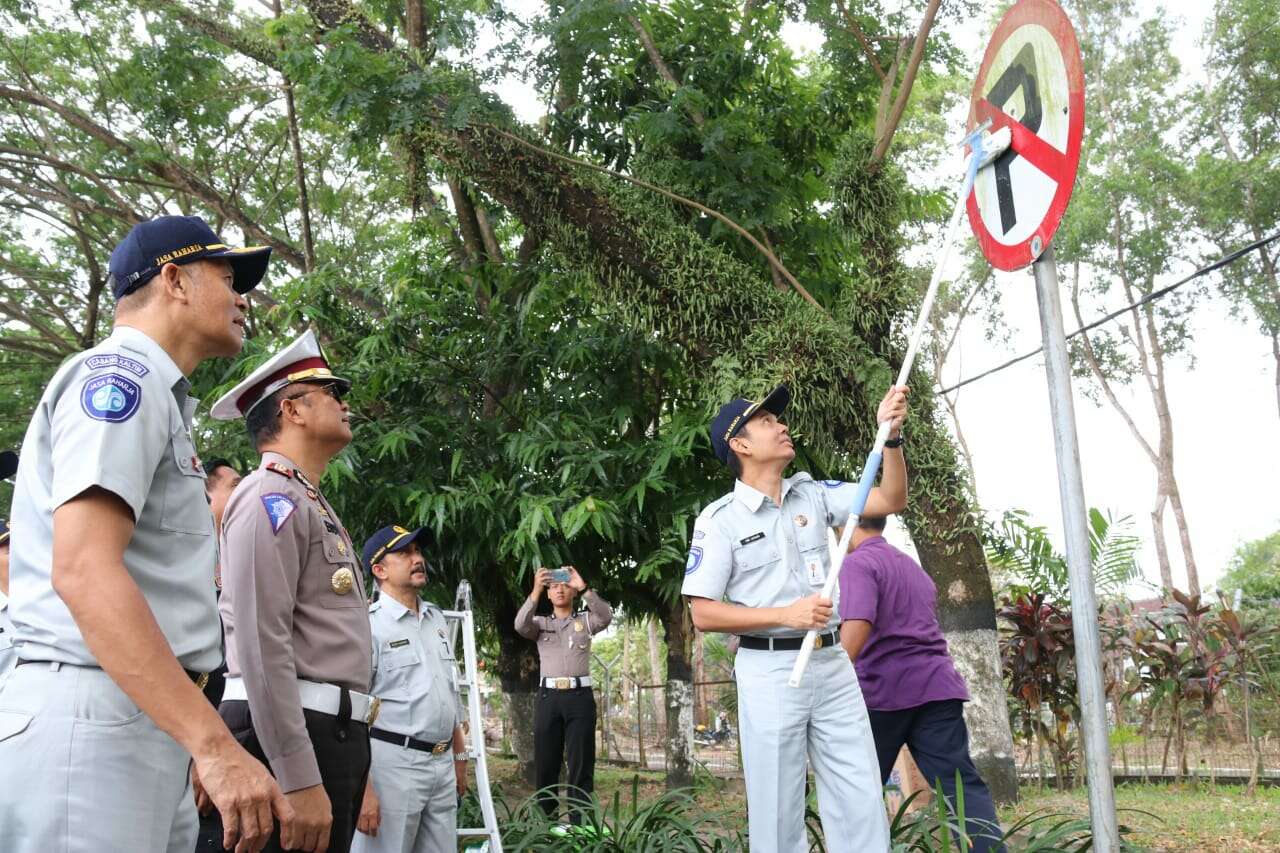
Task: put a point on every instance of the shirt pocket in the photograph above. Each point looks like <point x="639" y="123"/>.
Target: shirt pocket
<point x="186" y="503"/>
<point x="397" y="669"/>
<point x="755" y="556"/>
<point x="343" y="574"/>
<point x="812" y="543"/>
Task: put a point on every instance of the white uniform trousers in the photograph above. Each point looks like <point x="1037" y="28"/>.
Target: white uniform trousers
<point x="82" y="769"/>
<point x="418" y="798"/>
<point x="824" y="720"/>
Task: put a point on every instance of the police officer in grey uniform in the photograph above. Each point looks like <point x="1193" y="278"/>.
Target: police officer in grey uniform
<point x="113" y="549"/>
<point x="564" y="718"/>
<point x="756" y="567"/>
<point x="419" y="755"/>
<point x="293" y="600"/>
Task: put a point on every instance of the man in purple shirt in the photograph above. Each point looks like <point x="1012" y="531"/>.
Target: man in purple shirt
<point x="914" y="695"/>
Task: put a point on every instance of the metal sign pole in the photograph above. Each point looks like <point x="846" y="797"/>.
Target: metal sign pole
<point x="1084" y="604"/>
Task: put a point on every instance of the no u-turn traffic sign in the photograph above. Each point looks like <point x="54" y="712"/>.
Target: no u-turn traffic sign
<point x="1032" y="82"/>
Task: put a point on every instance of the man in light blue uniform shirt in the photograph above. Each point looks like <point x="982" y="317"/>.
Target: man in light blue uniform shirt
<point x="757" y="563"/>
<point x="419" y="765"/>
<point x="113" y="549"/>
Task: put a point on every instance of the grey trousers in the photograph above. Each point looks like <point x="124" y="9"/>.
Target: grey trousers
<point x="822" y="723"/>
<point x="417" y="796"/>
<point x="82" y="769"/>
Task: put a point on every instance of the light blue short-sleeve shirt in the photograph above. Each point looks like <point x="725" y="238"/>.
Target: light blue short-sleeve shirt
<point x="117" y="417"/>
<point x="414" y="671"/>
<point x="749" y="551"/>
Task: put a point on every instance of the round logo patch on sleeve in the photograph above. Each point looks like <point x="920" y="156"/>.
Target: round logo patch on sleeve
<point x="110" y="397"/>
<point x="695" y="560"/>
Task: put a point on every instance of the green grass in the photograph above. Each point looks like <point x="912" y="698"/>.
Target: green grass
<point x="1164" y="818"/>
<point x="1177" y="818"/>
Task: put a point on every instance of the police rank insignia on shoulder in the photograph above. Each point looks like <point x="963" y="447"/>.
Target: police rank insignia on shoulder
<point x="279" y="508"/>
<point x="277" y="468"/>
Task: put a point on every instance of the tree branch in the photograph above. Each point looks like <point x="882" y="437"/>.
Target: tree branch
<point x="908" y="81"/>
<point x="852" y="26"/>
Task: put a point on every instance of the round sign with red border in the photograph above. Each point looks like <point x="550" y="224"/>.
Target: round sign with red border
<point x="1031" y="81"/>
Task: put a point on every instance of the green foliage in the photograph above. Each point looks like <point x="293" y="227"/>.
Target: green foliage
<point x="1025" y="556"/>
<point x="1254" y="569"/>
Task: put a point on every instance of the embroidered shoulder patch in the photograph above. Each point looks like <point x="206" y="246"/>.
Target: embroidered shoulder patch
<point x="111" y="398"/>
<point x="277" y="468"/>
<point x="279" y="507"/>
<point x="111" y="359"/>
<point x="832" y="484"/>
<point x="695" y="560"/>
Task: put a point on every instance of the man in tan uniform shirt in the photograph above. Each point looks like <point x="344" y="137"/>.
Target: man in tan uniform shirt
<point x="293" y="599"/>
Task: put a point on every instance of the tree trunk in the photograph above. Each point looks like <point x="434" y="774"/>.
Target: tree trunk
<point x="678" y="629"/>
<point x="966" y="611"/>
<point x="517" y="669"/>
<point x="1162" y="548"/>
<point x="655" y="675"/>
<point x="699" y="676"/>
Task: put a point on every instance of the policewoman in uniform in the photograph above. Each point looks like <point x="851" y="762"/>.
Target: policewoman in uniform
<point x="564" y="717"/>
<point x="293" y="600"/>
<point x="757" y="564"/>
<point x="419" y="755"/>
<point x="113" y="548"/>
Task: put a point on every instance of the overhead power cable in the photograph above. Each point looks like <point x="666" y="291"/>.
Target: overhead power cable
<point x="1225" y="260"/>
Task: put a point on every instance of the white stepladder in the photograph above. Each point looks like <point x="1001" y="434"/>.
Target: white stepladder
<point x="461" y="617"/>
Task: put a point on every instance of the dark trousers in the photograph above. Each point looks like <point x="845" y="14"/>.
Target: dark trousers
<point x="564" y="721"/>
<point x="342" y="752"/>
<point x="939" y="742"/>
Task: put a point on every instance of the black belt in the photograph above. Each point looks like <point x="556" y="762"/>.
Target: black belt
<point x="411" y="742"/>
<point x="785" y="644"/>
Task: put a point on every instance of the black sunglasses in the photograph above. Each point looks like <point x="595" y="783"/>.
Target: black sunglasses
<point x="330" y="388"/>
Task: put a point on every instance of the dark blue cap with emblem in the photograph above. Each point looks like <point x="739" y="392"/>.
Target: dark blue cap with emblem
<point x="733" y="415"/>
<point x="180" y="240"/>
<point x="388" y="540"/>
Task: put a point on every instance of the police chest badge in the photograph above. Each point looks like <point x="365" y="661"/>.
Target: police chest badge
<point x="577" y="625"/>
<point x="343" y="581"/>
<point x="802" y="520"/>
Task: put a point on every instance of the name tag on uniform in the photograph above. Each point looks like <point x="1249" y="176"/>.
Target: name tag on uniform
<point x="395" y="644"/>
<point x="755" y="537"/>
<point x="817" y="574"/>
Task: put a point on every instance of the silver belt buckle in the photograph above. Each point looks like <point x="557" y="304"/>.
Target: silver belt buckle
<point x="564" y="683"/>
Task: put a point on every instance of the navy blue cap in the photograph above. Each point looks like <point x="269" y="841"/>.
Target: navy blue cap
<point x="8" y="464"/>
<point x="733" y="415"/>
<point x="180" y="240"/>
<point x="4" y="532"/>
<point x="388" y="540"/>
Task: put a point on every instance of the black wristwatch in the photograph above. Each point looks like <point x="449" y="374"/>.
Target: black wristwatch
<point x="895" y="442"/>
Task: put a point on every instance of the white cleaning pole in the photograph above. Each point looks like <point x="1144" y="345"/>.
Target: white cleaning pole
<point x="984" y="150"/>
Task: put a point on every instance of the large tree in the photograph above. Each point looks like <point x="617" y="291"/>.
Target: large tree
<point x="537" y="341"/>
